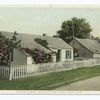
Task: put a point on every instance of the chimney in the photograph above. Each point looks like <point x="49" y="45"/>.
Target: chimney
<point x="44" y="34"/>
<point x="55" y="36"/>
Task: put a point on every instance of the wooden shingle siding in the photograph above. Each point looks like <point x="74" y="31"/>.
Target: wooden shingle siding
<point x="83" y="52"/>
<point x="19" y="58"/>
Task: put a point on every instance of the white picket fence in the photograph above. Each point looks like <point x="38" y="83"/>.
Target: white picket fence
<point x="4" y="72"/>
<point x="25" y="71"/>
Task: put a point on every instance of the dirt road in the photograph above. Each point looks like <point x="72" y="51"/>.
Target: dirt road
<point x="92" y="84"/>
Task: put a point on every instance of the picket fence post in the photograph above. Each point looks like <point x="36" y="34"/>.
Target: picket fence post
<point x="11" y="72"/>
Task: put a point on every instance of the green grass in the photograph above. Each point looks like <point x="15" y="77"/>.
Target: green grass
<point x="50" y="81"/>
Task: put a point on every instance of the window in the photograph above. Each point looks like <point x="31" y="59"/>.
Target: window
<point x="68" y="54"/>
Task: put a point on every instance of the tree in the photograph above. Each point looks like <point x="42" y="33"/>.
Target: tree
<point x="77" y="27"/>
<point x="13" y="43"/>
<point x="97" y="39"/>
<point x="6" y="48"/>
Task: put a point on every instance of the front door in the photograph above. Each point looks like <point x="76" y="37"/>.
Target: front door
<point x="58" y="56"/>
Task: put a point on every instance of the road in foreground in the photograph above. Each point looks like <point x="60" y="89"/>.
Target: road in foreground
<point x="92" y="84"/>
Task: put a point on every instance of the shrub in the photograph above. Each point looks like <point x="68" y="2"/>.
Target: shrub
<point x="39" y="56"/>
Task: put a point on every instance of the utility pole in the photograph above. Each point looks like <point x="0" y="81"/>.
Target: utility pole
<point x="73" y="38"/>
<point x="73" y="29"/>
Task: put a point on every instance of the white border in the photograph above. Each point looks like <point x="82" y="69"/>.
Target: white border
<point x="49" y="1"/>
<point x="47" y="92"/>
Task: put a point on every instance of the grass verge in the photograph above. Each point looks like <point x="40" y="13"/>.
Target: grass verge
<point x="50" y="81"/>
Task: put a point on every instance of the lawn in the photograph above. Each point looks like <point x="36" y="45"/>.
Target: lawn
<point x="50" y="81"/>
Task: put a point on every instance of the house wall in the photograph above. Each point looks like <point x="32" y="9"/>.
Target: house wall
<point x="96" y="55"/>
<point x="19" y="58"/>
<point x="54" y="58"/>
<point x="63" y="55"/>
<point x="72" y="55"/>
<point x="54" y="55"/>
<point x="29" y="60"/>
<point x="82" y="51"/>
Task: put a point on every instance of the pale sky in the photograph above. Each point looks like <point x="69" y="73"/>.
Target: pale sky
<point x="39" y="20"/>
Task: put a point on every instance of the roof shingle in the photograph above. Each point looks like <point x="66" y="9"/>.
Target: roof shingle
<point x="29" y="42"/>
<point x="91" y="45"/>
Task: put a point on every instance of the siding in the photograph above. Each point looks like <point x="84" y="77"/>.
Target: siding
<point x="96" y="55"/>
<point x="63" y="55"/>
<point x="19" y="58"/>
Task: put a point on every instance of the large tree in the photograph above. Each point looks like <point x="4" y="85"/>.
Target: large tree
<point x="78" y="27"/>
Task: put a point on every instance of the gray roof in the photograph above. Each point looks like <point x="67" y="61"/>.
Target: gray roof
<point x="91" y="45"/>
<point x="54" y="43"/>
<point x="28" y="41"/>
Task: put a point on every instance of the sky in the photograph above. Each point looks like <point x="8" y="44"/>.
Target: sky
<point x="39" y="20"/>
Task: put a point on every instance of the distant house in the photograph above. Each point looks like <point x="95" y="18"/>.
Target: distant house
<point x="60" y="50"/>
<point x="85" y="48"/>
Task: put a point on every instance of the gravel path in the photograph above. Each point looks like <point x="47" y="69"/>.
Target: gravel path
<point x="92" y="84"/>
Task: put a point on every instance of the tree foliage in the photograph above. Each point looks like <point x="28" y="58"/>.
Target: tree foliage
<point x="79" y="26"/>
<point x="42" y="42"/>
<point x="6" y="48"/>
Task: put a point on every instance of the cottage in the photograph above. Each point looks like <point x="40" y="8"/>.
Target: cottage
<point x="85" y="48"/>
<point x="64" y="52"/>
<point x="60" y="50"/>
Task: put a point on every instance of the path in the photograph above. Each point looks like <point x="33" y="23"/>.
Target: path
<point x="92" y="84"/>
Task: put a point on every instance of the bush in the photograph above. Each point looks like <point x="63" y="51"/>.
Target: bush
<point x="39" y="56"/>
